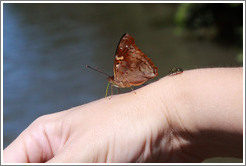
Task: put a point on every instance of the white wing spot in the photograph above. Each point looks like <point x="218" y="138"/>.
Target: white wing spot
<point x="119" y="58"/>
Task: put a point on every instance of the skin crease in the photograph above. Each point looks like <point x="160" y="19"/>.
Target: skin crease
<point x="188" y="117"/>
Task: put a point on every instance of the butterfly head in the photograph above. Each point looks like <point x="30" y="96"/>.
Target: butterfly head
<point x="114" y="82"/>
<point x="110" y="79"/>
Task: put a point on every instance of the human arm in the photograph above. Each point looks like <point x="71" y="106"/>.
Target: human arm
<point x="183" y="118"/>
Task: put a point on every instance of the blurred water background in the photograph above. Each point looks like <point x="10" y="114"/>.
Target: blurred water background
<point x="46" y="48"/>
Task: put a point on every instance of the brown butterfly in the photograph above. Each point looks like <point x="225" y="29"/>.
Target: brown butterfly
<point x="131" y="66"/>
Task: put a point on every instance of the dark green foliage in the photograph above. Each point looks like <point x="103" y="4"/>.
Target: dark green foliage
<point x="220" y="21"/>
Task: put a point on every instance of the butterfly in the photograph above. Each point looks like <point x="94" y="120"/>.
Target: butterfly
<point x="131" y="66"/>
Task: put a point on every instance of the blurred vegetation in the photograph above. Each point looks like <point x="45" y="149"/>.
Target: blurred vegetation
<point x="222" y="22"/>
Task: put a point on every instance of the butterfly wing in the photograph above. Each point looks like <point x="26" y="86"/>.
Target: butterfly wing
<point x="131" y="66"/>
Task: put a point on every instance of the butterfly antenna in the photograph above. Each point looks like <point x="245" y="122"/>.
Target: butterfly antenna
<point x="98" y="70"/>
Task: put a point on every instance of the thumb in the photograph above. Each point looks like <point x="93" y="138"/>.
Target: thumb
<point x="31" y="146"/>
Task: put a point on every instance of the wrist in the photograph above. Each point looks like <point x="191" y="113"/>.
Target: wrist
<point x="202" y="118"/>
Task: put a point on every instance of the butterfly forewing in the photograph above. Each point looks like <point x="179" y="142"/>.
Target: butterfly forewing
<point x="131" y="66"/>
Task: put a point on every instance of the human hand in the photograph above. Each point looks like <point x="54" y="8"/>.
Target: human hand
<point x="170" y="120"/>
<point x="127" y="128"/>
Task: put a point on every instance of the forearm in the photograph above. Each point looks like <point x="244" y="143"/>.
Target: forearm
<point x="183" y="118"/>
<point x="206" y="111"/>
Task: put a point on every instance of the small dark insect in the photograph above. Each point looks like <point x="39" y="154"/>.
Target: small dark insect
<point x="175" y="71"/>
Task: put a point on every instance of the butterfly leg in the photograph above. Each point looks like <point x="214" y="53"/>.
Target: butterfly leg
<point x="111" y="91"/>
<point x="118" y="90"/>
<point x="133" y="90"/>
<point x="107" y="90"/>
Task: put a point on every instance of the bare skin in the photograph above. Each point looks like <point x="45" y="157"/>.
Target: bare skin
<point x="188" y="117"/>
